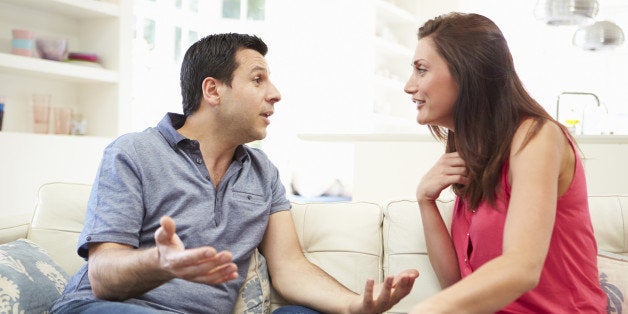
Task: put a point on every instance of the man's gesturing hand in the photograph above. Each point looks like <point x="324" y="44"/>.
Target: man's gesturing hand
<point x="201" y="264"/>
<point x="381" y="297"/>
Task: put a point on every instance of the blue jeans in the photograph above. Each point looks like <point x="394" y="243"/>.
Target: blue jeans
<point x="294" y="309"/>
<point x="106" y="307"/>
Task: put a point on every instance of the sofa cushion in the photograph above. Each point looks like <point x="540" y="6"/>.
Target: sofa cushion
<point x="58" y="221"/>
<point x="29" y="280"/>
<point x="609" y="215"/>
<point x="254" y="296"/>
<point x="614" y="280"/>
<point x="405" y="248"/>
<point x="342" y="238"/>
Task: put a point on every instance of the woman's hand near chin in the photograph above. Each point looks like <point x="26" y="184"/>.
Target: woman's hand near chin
<point x="449" y="169"/>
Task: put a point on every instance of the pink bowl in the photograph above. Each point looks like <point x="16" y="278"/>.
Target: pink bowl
<point x="52" y="49"/>
<point x="21" y="33"/>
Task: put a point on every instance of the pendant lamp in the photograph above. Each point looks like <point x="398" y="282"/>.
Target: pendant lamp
<point x="566" y="12"/>
<point x="601" y="35"/>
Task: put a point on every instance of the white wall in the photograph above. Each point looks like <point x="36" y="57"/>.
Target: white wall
<point x="25" y="167"/>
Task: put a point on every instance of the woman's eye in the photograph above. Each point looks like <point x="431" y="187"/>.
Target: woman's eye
<point x="421" y="71"/>
<point x="257" y="80"/>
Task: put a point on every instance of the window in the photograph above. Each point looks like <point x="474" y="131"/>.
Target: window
<point x="255" y="10"/>
<point x="163" y="32"/>
<point x="239" y="9"/>
<point x="231" y="9"/>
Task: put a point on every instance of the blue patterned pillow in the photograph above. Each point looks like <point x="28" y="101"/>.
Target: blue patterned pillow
<point x="254" y="295"/>
<point x="613" y="270"/>
<point x="29" y="280"/>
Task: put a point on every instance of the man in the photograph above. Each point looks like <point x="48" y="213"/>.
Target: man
<point x="225" y="198"/>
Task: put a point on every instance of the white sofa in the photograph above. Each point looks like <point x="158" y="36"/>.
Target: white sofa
<point x="352" y="241"/>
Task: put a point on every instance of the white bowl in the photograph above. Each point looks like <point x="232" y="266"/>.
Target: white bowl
<point x="52" y="48"/>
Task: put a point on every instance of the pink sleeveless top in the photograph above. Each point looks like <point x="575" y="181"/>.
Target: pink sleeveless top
<point x="569" y="281"/>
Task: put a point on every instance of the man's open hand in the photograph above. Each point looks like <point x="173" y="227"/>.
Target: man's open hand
<point x="381" y="297"/>
<point x="203" y="264"/>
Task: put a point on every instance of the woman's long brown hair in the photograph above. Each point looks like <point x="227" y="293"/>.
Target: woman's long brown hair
<point x="491" y="102"/>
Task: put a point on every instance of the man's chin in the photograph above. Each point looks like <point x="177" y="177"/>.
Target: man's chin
<point x="259" y="136"/>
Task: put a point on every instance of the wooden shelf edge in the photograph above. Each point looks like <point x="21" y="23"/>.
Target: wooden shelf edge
<point x="79" y="9"/>
<point x="61" y="70"/>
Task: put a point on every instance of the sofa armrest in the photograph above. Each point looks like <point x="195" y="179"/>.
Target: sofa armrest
<point x="58" y="221"/>
<point x="14" y="226"/>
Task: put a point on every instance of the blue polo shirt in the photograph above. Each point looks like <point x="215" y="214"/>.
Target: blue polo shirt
<point x="144" y="176"/>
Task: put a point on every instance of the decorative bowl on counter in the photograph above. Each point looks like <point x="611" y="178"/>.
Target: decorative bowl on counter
<point x="52" y="48"/>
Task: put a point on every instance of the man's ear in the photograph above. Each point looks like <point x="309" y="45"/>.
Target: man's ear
<point x="210" y="90"/>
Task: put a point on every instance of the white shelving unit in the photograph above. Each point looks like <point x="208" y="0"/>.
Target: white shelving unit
<point x="100" y="93"/>
<point x="396" y="24"/>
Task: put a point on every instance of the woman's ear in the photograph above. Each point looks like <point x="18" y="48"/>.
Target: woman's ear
<point x="210" y="91"/>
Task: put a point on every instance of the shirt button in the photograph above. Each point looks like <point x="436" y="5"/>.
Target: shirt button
<point x="248" y="197"/>
<point x="88" y="238"/>
<point x="208" y="178"/>
<point x="199" y="160"/>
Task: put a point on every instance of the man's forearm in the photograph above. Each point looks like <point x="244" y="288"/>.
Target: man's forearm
<point x="304" y="283"/>
<point x="120" y="274"/>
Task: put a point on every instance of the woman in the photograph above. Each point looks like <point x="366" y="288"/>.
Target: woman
<point x="521" y="236"/>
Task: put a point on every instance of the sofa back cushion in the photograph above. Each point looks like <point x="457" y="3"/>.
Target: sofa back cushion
<point x="58" y="221"/>
<point x="404" y="248"/>
<point x="343" y="239"/>
<point x="609" y="215"/>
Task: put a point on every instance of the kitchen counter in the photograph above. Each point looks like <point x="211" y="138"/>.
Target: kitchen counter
<point x="412" y="137"/>
<point x="402" y="159"/>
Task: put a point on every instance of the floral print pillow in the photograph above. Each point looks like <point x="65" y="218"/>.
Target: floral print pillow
<point x="254" y="297"/>
<point x="614" y="279"/>
<point x="29" y="280"/>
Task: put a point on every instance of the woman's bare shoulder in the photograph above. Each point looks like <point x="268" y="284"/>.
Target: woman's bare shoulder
<point x="537" y="131"/>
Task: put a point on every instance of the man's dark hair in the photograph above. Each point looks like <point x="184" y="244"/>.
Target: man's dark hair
<point x="212" y="56"/>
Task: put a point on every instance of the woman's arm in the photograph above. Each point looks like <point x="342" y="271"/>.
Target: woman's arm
<point x="449" y="169"/>
<point x="534" y="176"/>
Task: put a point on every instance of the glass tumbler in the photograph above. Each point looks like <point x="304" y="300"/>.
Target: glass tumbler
<point x="63" y="119"/>
<point x="41" y="113"/>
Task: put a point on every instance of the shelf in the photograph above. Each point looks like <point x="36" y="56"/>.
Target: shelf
<point x="54" y="69"/>
<point x="23" y="137"/>
<point x="79" y="9"/>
